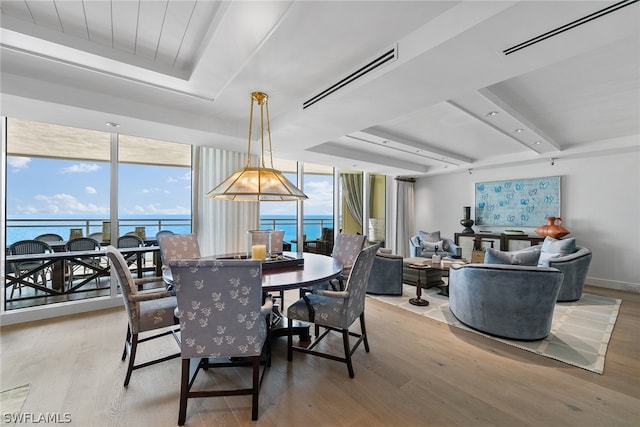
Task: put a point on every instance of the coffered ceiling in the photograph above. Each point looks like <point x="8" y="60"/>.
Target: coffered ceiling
<point x="409" y="85"/>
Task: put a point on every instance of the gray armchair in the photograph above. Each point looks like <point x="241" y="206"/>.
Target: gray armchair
<point x="424" y="243"/>
<point x="508" y="301"/>
<point x="575" y="267"/>
<point x="386" y="274"/>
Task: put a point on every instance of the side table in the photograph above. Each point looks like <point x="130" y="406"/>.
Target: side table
<point x="418" y="299"/>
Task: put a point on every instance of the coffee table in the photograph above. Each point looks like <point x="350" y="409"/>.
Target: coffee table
<point x="444" y="266"/>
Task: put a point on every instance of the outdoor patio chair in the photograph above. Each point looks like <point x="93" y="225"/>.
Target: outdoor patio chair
<point x="83" y="244"/>
<point x="27" y="247"/>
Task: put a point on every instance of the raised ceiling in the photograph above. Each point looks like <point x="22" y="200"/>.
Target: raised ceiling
<point x="183" y="71"/>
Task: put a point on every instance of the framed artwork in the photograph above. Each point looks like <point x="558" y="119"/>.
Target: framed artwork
<point x="517" y="202"/>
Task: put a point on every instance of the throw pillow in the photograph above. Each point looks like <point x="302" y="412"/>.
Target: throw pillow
<point x="430" y="236"/>
<point x="431" y="246"/>
<point x="557" y="246"/>
<point x="415" y="241"/>
<point x="526" y="256"/>
<point x="545" y="257"/>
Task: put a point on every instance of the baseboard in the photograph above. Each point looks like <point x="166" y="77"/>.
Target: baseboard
<point x="613" y="284"/>
<point x="42" y="312"/>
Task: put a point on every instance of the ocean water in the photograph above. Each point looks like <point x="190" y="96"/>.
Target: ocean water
<point x="20" y="229"/>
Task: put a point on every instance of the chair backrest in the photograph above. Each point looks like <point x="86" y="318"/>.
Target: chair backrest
<point x="127" y="285"/>
<point x="357" y="285"/>
<point x="178" y="246"/>
<point x="82" y="244"/>
<point x="25" y="247"/>
<point x="130" y="241"/>
<point x="219" y="304"/>
<point x="327" y="234"/>
<point x="347" y="247"/>
<point x="49" y="237"/>
<point x="164" y="233"/>
<point x="96" y="236"/>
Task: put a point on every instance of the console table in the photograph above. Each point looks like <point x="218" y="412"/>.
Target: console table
<point x="501" y="241"/>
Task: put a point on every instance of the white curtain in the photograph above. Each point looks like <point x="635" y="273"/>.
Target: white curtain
<point x="405" y="215"/>
<point x="221" y="226"/>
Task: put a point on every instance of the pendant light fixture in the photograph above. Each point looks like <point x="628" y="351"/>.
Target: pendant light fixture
<point x="261" y="183"/>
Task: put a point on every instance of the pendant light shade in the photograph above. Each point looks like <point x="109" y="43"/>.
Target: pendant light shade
<point x="258" y="183"/>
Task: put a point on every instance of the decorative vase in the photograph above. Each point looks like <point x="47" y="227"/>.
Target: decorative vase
<point x="467" y="222"/>
<point x="553" y="228"/>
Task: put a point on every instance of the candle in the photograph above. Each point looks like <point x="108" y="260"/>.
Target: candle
<point x="259" y="252"/>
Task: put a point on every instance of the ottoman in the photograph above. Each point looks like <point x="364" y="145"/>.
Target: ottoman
<point x="410" y="275"/>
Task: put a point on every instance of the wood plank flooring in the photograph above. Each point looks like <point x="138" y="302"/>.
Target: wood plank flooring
<point x="419" y="373"/>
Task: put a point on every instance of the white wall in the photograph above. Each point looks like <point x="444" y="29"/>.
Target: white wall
<point x="600" y="207"/>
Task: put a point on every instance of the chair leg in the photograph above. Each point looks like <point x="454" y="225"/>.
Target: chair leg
<point x="347" y="351"/>
<point x="364" y="332"/>
<point x="256" y="388"/>
<point x="290" y="340"/>
<point x="132" y="358"/>
<point x="126" y="342"/>
<point x="184" y="391"/>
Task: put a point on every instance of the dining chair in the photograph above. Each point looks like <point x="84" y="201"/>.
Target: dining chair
<point x="164" y="233"/>
<point x="49" y="237"/>
<point x="83" y="244"/>
<point x="146" y="312"/>
<point x="176" y="246"/>
<point x="130" y="241"/>
<point x="28" y="247"/>
<point x="345" y="249"/>
<point x="223" y="323"/>
<point x="335" y="311"/>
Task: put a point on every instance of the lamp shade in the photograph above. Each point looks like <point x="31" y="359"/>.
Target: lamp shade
<point x="254" y="184"/>
<point x="258" y="184"/>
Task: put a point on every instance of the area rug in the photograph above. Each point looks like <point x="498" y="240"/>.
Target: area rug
<point x="11" y="402"/>
<point x="579" y="336"/>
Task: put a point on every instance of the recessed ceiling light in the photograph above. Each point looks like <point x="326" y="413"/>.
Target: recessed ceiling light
<point x="491" y="114"/>
<point x="418" y="151"/>
<point x="112" y="124"/>
<point x="518" y="131"/>
<point x="537" y="143"/>
<point x="385" y="142"/>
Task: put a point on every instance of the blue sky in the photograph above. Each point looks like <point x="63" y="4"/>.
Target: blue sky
<point x="47" y="188"/>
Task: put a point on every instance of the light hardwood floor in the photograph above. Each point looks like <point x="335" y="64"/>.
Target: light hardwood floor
<point x="419" y="373"/>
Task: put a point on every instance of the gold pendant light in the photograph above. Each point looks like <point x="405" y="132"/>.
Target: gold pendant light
<point x="258" y="184"/>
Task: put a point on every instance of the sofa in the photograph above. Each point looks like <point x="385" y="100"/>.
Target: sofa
<point x="386" y="274"/>
<point x="573" y="261"/>
<point x="424" y="245"/>
<point x="507" y="301"/>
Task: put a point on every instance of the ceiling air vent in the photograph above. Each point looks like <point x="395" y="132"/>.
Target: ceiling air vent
<point x="570" y="25"/>
<point x="387" y="57"/>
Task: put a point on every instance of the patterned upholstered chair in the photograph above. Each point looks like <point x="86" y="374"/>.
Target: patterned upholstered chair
<point x="147" y="311"/>
<point x="346" y="249"/>
<point x="176" y="246"/>
<point x="223" y="322"/>
<point x="335" y="311"/>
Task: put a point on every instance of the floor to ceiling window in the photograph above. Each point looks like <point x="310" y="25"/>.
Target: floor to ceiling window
<point x="58" y="182"/>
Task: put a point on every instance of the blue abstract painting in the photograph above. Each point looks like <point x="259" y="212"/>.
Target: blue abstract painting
<point x="517" y="202"/>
